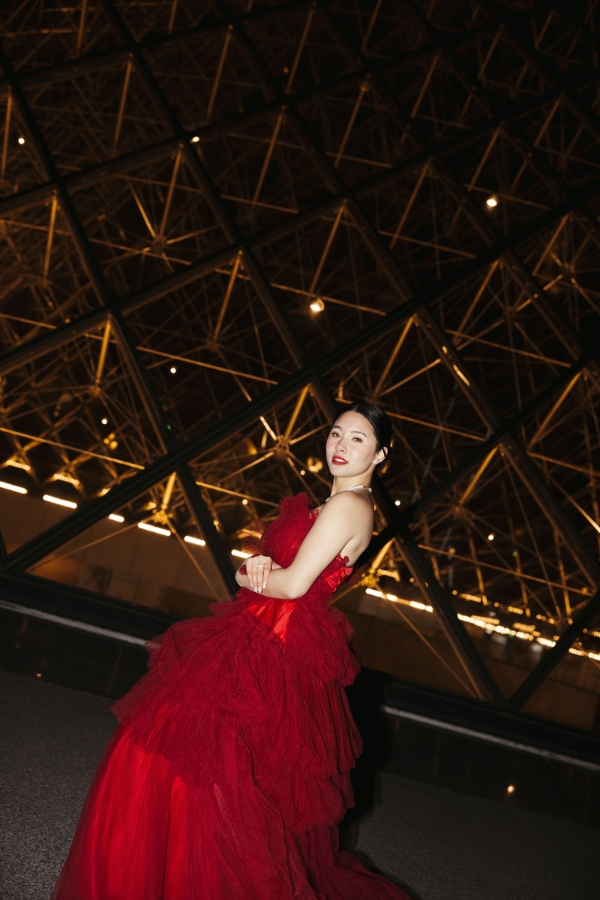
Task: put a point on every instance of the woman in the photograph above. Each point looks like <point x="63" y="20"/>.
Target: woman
<point x="230" y="769"/>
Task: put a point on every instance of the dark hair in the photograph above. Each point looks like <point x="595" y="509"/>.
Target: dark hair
<point x="378" y="419"/>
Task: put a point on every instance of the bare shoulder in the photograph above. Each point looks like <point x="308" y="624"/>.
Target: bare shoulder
<point x="348" y="503"/>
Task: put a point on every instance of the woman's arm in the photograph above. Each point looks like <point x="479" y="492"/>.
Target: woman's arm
<point x="345" y="517"/>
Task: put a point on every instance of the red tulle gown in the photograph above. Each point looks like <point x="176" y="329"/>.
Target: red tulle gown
<point x="229" y="770"/>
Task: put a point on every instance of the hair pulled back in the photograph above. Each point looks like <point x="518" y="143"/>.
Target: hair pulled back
<point x="378" y="419"/>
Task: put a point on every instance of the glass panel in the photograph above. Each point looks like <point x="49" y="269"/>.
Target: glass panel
<point x="512" y="578"/>
<point x="571" y="692"/>
<point x="150" y="552"/>
<point x="72" y="429"/>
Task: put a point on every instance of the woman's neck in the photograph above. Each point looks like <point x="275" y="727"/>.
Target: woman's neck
<point x="349" y="484"/>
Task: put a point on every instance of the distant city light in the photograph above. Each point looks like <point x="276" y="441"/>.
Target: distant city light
<point x="49" y="498"/>
<point x="491" y="202"/>
<point x="115" y="517"/>
<point x="241" y="554"/>
<point x="317" y="305"/>
<point x="13" y="487"/>
<point x="145" y="526"/>
<point x="190" y="539"/>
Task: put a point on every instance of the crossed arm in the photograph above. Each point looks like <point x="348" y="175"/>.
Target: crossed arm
<point x="340" y="523"/>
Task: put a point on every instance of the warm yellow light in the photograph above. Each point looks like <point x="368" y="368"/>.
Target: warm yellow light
<point x="172" y="370"/>
<point x="115" y="517"/>
<point x="397" y="502"/>
<point x="491" y="202"/>
<point x="195" y="139"/>
<point x="105" y="421"/>
<point x="491" y="537"/>
<point x="510" y="789"/>
<point x="13" y="487"/>
<point x="241" y="554"/>
<point x="59" y="501"/>
<point x="244" y="502"/>
<point x="190" y="539"/>
<point x="145" y="526"/>
<point x="21" y="140"/>
<point x="317" y="305"/>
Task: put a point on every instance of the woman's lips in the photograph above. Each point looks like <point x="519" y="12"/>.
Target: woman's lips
<point x="338" y="461"/>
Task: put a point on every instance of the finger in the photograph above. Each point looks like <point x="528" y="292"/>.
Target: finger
<point x="266" y="573"/>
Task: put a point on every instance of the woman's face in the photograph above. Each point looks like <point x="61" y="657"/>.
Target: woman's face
<point x="351" y="447"/>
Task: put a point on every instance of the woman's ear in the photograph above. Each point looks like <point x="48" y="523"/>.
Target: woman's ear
<point x="380" y="456"/>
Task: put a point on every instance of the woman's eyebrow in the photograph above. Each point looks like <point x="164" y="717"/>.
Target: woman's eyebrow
<point x="356" y="431"/>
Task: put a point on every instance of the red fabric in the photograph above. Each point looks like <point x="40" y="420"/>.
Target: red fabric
<point x="230" y="768"/>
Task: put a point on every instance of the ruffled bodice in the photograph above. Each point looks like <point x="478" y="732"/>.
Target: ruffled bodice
<point x="268" y="672"/>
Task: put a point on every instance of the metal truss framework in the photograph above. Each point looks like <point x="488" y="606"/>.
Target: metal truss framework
<point x="296" y="205"/>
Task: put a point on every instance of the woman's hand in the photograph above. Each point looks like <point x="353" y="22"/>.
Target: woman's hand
<point x="258" y="569"/>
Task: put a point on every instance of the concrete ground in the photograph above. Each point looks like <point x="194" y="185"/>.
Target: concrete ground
<point x="439" y="844"/>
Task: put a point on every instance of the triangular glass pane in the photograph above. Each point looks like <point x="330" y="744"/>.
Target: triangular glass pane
<point x="381" y="31"/>
<point x="328" y="281"/>
<point x="436" y="98"/>
<point x="300" y="47"/>
<point x="504" y="336"/>
<point x="206" y="77"/>
<point x="118" y="114"/>
<point x="164" y="18"/>
<point x="21" y="168"/>
<point x="563" y="440"/>
<point x="40" y="34"/>
<point x="148" y="221"/>
<point x="212" y="339"/>
<point x="42" y="280"/>
<point x="359" y="132"/>
<point x="570" y="693"/>
<point x="495" y="167"/>
<point x="396" y="629"/>
<point x="263" y="170"/>
<point x="76" y="425"/>
<point x="510" y="573"/>
<point x="150" y="552"/>
<point x="423" y="224"/>
<point x="435" y="425"/>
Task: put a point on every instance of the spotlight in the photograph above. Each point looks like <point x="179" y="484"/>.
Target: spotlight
<point x="21" y="140"/>
<point x="491" y="202"/>
<point x="172" y="370"/>
<point x="317" y="305"/>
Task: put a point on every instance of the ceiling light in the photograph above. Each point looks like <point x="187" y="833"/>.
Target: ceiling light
<point x="241" y="554"/>
<point x="105" y="421"/>
<point x="115" y="517"/>
<point x="190" y="539"/>
<point x="13" y="487"/>
<point x="21" y="140"/>
<point x="154" y="529"/>
<point x="18" y="464"/>
<point x="317" y="305"/>
<point x="63" y="476"/>
<point x="59" y="501"/>
<point x="172" y="370"/>
<point x="491" y="202"/>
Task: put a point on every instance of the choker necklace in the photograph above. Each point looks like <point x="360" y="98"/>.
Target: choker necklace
<point x="359" y="487"/>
